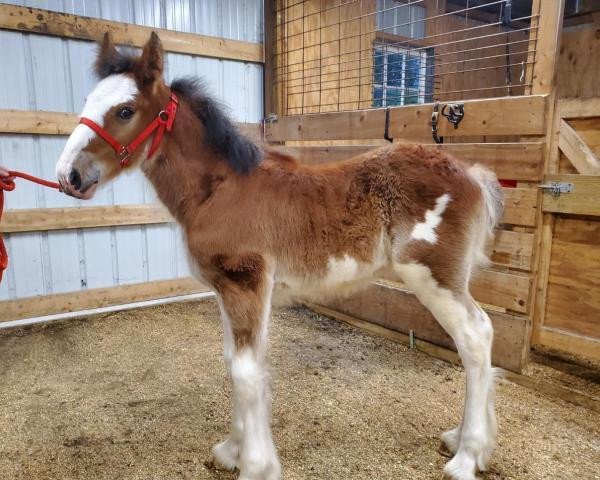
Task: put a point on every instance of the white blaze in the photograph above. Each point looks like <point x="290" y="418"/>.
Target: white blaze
<point x="426" y="230"/>
<point x="109" y="92"/>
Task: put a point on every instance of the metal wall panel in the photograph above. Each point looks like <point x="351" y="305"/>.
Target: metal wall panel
<point x="50" y="73"/>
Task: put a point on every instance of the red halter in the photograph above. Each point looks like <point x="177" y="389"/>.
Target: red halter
<point x="163" y="121"/>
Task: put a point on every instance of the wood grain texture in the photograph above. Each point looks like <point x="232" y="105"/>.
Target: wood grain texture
<point x="579" y="107"/>
<point x="362" y="124"/>
<point x="578" y="61"/>
<point x="588" y="347"/>
<point x="45" y="219"/>
<point x="35" y="20"/>
<point x="97" y="297"/>
<point x="507" y="290"/>
<point x="396" y="309"/>
<point x="520" y="206"/>
<point x="584" y="200"/>
<point x="573" y="298"/>
<point x="41" y="122"/>
<point x="515" y="161"/>
<point x="495" y="116"/>
<point x="579" y="154"/>
<point x="37" y="122"/>
<point x="511" y="249"/>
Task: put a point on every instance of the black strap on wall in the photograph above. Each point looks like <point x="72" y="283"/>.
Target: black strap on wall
<point x="386" y="133"/>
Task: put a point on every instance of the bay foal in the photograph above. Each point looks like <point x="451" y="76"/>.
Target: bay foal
<point x="256" y="220"/>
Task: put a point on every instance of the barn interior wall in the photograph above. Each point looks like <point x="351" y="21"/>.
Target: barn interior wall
<point x="325" y="55"/>
<point x="50" y="73"/>
<point x="573" y="295"/>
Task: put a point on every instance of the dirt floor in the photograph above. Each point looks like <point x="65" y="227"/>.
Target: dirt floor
<point x="142" y="395"/>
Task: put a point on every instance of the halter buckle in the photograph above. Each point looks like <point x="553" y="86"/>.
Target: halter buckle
<point x="163" y="116"/>
<point x="124" y="156"/>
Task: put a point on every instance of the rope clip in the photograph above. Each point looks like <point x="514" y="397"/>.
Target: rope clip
<point x="454" y="112"/>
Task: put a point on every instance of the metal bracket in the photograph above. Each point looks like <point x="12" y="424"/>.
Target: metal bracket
<point x="271" y="118"/>
<point x="454" y="112"/>
<point x="556" y="188"/>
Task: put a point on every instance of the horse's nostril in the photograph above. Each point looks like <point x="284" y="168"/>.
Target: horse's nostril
<point x="75" y="179"/>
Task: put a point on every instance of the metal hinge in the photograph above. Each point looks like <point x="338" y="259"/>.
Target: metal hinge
<point x="556" y="188"/>
<point x="271" y="118"/>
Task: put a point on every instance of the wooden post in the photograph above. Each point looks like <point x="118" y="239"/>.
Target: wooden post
<point x="543" y="81"/>
<point x="269" y="76"/>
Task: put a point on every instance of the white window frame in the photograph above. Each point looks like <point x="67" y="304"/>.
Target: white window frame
<point x="421" y="93"/>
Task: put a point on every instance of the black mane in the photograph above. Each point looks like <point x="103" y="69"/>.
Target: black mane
<point x="220" y="132"/>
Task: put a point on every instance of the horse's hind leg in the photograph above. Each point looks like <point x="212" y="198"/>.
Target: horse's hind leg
<point x="245" y="307"/>
<point x="474" y="439"/>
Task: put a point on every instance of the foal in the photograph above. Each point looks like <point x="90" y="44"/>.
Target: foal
<point x="255" y="220"/>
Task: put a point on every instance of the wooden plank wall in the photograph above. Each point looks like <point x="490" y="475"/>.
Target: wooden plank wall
<point x="318" y="72"/>
<point x="32" y="286"/>
<point x="505" y="287"/>
<point x="568" y="317"/>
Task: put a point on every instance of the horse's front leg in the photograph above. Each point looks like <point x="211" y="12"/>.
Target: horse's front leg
<point x="245" y="302"/>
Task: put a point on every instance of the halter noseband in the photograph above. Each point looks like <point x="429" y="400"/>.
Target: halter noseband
<point x="163" y="121"/>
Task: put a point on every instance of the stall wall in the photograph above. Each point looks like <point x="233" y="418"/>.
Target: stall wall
<point x="54" y="74"/>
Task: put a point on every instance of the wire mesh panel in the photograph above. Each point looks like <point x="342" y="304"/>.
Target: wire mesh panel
<point x="333" y="55"/>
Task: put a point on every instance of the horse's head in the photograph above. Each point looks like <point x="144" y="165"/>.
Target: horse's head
<point x="128" y="97"/>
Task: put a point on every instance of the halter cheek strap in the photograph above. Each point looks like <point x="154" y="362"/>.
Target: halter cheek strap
<point x="163" y="122"/>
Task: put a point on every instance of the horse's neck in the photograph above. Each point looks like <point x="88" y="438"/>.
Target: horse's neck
<point x="181" y="173"/>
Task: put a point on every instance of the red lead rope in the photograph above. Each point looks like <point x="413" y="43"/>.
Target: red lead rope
<point x="9" y="186"/>
<point x="161" y="123"/>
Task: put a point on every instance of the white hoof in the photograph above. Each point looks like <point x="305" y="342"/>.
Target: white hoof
<point x="451" y="439"/>
<point x="227" y="454"/>
<point x="461" y="467"/>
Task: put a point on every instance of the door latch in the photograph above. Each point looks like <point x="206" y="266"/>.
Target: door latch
<point x="557" y="188"/>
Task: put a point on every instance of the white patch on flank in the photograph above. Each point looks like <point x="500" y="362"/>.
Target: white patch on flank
<point x="341" y="270"/>
<point x="426" y="230"/>
<point x="109" y="92"/>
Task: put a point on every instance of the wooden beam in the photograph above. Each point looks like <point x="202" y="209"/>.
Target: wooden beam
<point x="579" y="154"/>
<point x="41" y="122"/>
<point x="520" y="206"/>
<point x="584" y="200"/>
<point x="547" y="44"/>
<point x="395" y="308"/>
<point x="582" y="345"/>
<point x="97" y="297"/>
<point x="44" y="219"/>
<point x="494" y="116"/>
<point x="35" y="20"/>
<point x="515" y="161"/>
<point x="501" y="289"/>
<point x="270" y="39"/>
<point x="37" y="122"/>
<point x="511" y="249"/>
<point x="578" y="107"/>
<point x="361" y="124"/>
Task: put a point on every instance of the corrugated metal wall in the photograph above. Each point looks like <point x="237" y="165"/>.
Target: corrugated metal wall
<point x="49" y="73"/>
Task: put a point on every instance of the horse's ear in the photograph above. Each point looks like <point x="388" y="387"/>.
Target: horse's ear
<point x="110" y="60"/>
<point x="150" y="65"/>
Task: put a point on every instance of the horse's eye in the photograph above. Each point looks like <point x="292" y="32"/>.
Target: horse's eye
<point x="125" y="113"/>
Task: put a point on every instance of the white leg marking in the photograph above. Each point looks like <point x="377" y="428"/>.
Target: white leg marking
<point x="227" y="452"/>
<point x="258" y="458"/>
<point x="426" y="230"/>
<point x="470" y="328"/>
